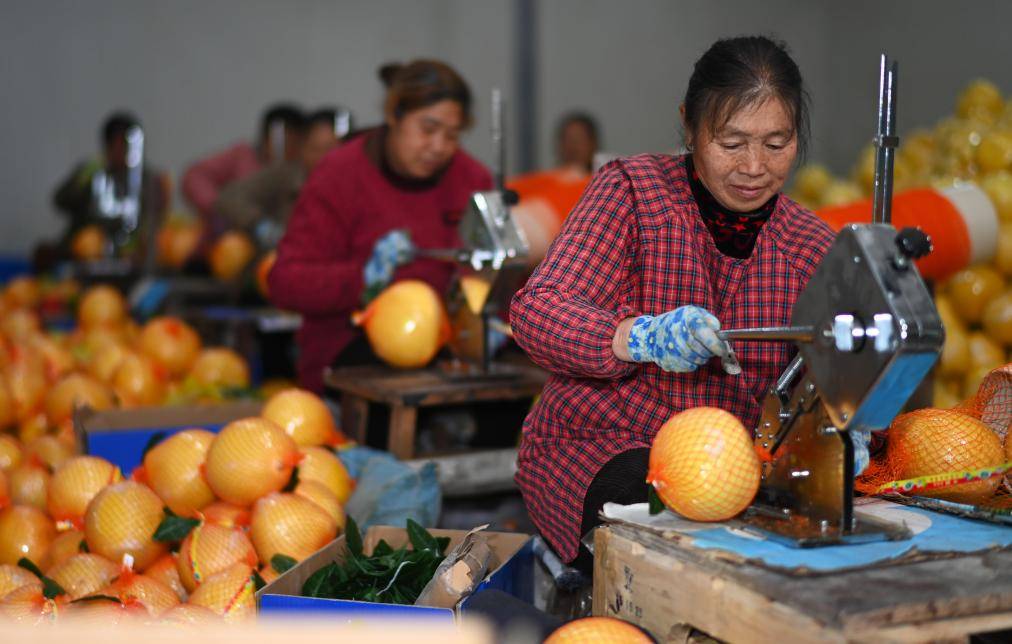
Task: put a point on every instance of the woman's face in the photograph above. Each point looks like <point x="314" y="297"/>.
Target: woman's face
<point x="423" y="141"/>
<point x="747" y="161"/>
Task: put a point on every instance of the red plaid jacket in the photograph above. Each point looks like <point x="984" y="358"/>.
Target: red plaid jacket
<point x="636" y="244"/>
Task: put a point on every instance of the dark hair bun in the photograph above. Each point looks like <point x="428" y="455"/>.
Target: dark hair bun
<point x="388" y="73"/>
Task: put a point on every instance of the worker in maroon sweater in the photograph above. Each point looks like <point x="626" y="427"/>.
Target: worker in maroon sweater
<point x="369" y="204"/>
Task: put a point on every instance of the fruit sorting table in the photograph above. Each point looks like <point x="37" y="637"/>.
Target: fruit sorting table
<point x="669" y="587"/>
<point x="404" y="392"/>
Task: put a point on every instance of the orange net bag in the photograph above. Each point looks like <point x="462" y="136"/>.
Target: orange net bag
<point x="960" y="455"/>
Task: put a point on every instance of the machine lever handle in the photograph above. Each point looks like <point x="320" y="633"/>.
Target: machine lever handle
<point x="770" y="333"/>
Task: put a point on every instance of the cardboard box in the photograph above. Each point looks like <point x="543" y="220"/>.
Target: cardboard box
<point x="121" y="435"/>
<point x="515" y="575"/>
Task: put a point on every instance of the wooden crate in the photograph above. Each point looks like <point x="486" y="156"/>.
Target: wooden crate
<point x="406" y="391"/>
<point x="666" y="585"/>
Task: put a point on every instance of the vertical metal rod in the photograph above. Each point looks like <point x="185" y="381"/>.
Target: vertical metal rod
<point x="886" y="142"/>
<point x="498" y="149"/>
<point x="524" y="96"/>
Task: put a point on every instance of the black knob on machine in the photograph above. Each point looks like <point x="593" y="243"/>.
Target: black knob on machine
<point x="913" y="243"/>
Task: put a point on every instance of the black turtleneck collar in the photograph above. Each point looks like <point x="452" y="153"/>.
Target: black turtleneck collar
<point x="734" y="233"/>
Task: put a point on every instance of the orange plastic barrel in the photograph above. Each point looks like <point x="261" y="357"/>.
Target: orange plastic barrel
<point x="961" y="221"/>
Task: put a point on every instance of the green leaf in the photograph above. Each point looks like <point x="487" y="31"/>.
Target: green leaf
<point x="353" y="538"/>
<point x="443" y="542"/>
<point x="258" y="581"/>
<point x="93" y="598"/>
<point x="382" y="549"/>
<point x="174" y="528"/>
<point x="83" y="546"/>
<point x="293" y="481"/>
<point x="50" y="588"/>
<point x="656" y="505"/>
<point x="420" y="537"/>
<point x="318" y="583"/>
<point x="282" y="563"/>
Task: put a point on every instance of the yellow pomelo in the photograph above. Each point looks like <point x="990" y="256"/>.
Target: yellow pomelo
<point x="703" y="465"/>
<point x="210" y="549"/>
<point x="73" y="391"/>
<point x="29" y="485"/>
<point x="23" y="292"/>
<point x="320" y="464"/>
<point x="319" y="494"/>
<point x="302" y="415"/>
<point x="291" y="525"/>
<point x="138" y="381"/>
<point x="89" y="244"/>
<point x="230" y="255"/>
<point x="101" y="306"/>
<point x="13" y="577"/>
<point x="226" y="514"/>
<point x="131" y="587"/>
<point x="122" y="520"/>
<point x="406" y="324"/>
<point x="84" y="574"/>
<point x="248" y="459"/>
<point x="166" y="571"/>
<point x="11" y="452"/>
<point x="229" y="594"/>
<point x="606" y="630"/>
<point x="25" y="532"/>
<point x="49" y="450"/>
<point x="75" y="483"/>
<point x="972" y="288"/>
<point x="220" y="367"/>
<point x="64" y="546"/>
<point x="173" y="470"/>
<point x="171" y="343"/>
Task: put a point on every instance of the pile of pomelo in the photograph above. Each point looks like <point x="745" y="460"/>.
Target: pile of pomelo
<point x="107" y="361"/>
<point x="189" y="535"/>
<point x="178" y="242"/>
<point x="974" y="144"/>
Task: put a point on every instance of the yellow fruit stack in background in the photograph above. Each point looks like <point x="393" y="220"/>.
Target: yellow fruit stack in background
<point x="973" y="144"/>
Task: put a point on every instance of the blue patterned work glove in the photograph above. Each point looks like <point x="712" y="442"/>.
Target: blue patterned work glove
<point x="391" y="250"/>
<point x="679" y="340"/>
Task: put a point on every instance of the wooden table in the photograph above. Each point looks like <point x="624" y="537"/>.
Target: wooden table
<point x="666" y="585"/>
<point x="406" y="391"/>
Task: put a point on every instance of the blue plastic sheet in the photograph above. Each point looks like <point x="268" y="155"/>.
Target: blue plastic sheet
<point x="938" y="533"/>
<point x="388" y="491"/>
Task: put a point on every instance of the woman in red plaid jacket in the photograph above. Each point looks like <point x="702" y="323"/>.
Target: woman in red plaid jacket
<point x="657" y="255"/>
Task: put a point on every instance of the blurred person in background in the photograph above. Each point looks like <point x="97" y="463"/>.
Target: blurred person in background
<point x="205" y="178"/>
<point x="261" y="203"/>
<point x="547" y="196"/>
<point x="97" y="193"/>
<point x="359" y="216"/>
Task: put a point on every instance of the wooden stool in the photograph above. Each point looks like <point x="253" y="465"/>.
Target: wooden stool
<point x="405" y="391"/>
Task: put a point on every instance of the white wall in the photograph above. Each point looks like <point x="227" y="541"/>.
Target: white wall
<point x="629" y="62"/>
<point x="199" y="72"/>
